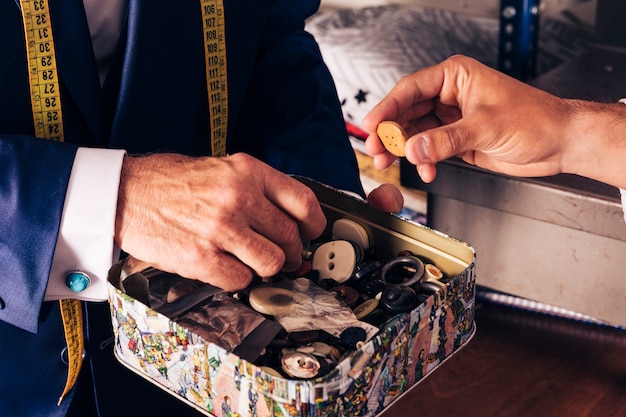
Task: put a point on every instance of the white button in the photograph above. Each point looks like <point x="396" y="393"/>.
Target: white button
<point x="335" y="260"/>
<point x="345" y="229"/>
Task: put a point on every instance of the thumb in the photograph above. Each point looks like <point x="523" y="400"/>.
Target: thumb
<point x="427" y="148"/>
<point x="434" y="145"/>
<point x="387" y="197"/>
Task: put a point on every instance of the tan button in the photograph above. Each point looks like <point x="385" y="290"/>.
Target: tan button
<point x="346" y="229"/>
<point x="272" y="301"/>
<point x="365" y="308"/>
<point x="393" y="136"/>
<point x="321" y="348"/>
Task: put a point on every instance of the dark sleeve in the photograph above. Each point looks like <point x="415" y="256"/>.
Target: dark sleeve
<point x="34" y="180"/>
<point x="292" y="117"/>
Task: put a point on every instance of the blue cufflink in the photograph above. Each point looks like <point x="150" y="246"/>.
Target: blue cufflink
<point x="77" y="281"/>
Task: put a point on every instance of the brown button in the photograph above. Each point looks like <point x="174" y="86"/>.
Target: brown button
<point x="393" y="136"/>
<point x="348" y="295"/>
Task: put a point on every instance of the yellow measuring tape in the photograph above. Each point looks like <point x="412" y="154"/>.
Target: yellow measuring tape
<point x="215" y="59"/>
<point x="44" y="84"/>
<point x="48" y="120"/>
<point x="46" y="105"/>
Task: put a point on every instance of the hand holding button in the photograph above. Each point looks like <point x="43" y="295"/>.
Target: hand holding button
<point x="393" y="137"/>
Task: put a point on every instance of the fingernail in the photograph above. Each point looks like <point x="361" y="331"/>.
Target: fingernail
<point x="421" y="149"/>
<point x="421" y="171"/>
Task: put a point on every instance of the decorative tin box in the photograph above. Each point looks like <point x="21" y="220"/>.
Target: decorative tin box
<point x="361" y="379"/>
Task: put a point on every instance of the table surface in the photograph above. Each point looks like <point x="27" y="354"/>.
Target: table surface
<point x="521" y="364"/>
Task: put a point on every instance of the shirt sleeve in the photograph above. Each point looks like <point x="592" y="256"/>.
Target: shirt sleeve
<point x="85" y="241"/>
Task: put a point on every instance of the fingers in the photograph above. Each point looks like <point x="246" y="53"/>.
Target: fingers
<point x="298" y="201"/>
<point x="429" y="104"/>
<point x="409" y="99"/>
<point x="387" y="198"/>
<point x="248" y="219"/>
<point x="411" y="104"/>
<point x="273" y="245"/>
<point x="223" y="270"/>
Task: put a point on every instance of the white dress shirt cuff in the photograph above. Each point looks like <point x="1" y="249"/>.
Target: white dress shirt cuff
<point x="85" y="241"/>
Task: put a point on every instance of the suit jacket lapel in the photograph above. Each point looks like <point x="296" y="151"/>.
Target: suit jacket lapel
<point x="164" y="67"/>
<point x="76" y="64"/>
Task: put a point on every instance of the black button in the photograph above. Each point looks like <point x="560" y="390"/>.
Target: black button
<point x="352" y="335"/>
<point x="398" y="298"/>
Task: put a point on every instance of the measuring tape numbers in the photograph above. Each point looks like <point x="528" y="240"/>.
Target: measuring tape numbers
<point x="44" y="84"/>
<point x="213" y="23"/>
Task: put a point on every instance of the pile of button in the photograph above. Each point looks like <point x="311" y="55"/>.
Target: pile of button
<point x="375" y="289"/>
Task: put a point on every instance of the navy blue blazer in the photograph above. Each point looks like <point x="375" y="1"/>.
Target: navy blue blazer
<point x="283" y="109"/>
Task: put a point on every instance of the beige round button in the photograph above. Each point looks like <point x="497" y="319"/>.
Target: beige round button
<point x="272" y="301"/>
<point x="393" y="137"/>
<point x="335" y="259"/>
<point x="346" y="229"/>
<point x="365" y="308"/>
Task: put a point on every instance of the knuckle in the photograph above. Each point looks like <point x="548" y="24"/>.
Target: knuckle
<point x="448" y="142"/>
<point x="272" y="264"/>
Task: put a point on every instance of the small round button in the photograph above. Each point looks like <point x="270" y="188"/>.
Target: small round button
<point x="345" y="229"/>
<point x="353" y="335"/>
<point x="321" y="349"/>
<point x="398" y="298"/>
<point x="393" y="137"/>
<point x="348" y="295"/>
<point x="272" y="301"/>
<point x="300" y="365"/>
<point x="365" y="308"/>
<point x="335" y="259"/>
<point x="77" y="281"/>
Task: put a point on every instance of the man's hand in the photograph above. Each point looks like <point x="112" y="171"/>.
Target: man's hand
<point x="217" y="220"/>
<point x="463" y="108"/>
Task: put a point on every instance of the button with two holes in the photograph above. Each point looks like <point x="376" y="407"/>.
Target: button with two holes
<point x="335" y="260"/>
